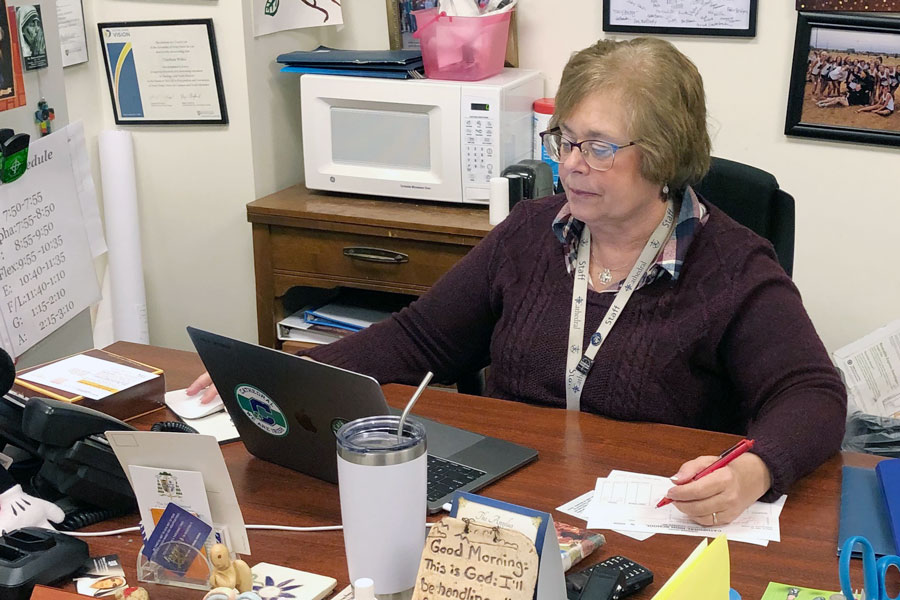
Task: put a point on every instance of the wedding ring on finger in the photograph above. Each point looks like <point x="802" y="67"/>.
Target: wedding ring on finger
<point x="715" y="519"/>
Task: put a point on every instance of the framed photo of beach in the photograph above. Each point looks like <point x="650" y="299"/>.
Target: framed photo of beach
<point x="844" y="80"/>
<point x="722" y="18"/>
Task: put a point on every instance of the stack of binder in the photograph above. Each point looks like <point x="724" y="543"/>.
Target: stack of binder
<point x="393" y="64"/>
<point x="870" y="506"/>
<point x="328" y="323"/>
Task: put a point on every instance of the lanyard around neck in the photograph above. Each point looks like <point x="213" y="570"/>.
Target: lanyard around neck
<point x="577" y="365"/>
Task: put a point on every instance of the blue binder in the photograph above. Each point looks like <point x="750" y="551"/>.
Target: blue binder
<point x="863" y="510"/>
<point x="888" y="472"/>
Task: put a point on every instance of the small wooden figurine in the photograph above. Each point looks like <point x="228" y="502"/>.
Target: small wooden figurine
<point x="228" y="573"/>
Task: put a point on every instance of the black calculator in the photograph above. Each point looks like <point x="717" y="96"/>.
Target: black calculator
<point x="636" y="577"/>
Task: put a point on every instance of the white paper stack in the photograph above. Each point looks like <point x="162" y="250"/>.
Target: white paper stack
<point x="870" y="366"/>
<point x="626" y="503"/>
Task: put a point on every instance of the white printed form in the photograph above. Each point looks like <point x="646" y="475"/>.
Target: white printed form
<point x="88" y="376"/>
<point x="627" y="501"/>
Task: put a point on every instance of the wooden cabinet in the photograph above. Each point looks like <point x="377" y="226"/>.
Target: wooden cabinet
<point x="319" y="240"/>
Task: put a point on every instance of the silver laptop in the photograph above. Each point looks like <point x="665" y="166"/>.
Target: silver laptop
<point x="287" y="410"/>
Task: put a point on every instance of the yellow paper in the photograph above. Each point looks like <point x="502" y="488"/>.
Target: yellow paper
<point x="705" y="575"/>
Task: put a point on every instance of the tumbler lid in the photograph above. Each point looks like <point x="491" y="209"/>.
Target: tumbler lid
<point x="374" y="441"/>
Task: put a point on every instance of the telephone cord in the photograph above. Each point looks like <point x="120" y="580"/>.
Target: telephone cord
<point x="253" y="527"/>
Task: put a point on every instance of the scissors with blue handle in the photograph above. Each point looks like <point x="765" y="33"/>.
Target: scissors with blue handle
<point x="874" y="572"/>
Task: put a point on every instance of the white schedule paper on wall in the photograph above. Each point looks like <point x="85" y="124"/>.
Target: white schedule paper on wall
<point x="46" y="269"/>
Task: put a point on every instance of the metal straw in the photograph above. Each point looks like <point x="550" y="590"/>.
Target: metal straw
<point x="412" y="401"/>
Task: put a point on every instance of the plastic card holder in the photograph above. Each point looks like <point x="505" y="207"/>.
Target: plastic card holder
<point x="150" y="570"/>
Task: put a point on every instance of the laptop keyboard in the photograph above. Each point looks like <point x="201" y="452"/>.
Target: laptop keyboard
<point x="445" y="477"/>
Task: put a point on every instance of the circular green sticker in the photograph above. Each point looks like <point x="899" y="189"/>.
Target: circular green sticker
<point x="261" y="409"/>
<point x="336" y="424"/>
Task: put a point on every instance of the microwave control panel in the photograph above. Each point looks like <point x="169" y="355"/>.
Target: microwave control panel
<point x="480" y="142"/>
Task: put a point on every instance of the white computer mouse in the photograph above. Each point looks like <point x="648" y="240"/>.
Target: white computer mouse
<point x="189" y="407"/>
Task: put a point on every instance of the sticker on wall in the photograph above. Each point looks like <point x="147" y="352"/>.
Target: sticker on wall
<point x="270" y="16"/>
<point x="31" y="32"/>
<point x="12" y="82"/>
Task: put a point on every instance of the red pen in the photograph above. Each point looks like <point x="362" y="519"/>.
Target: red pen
<point x="724" y="458"/>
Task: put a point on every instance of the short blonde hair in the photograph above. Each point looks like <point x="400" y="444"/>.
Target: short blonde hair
<point x="663" y="95"/>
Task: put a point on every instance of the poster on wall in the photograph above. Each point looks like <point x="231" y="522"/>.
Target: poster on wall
<point x="31" y="34"/>
<point x="12" y="83"/>
<point x="270" y="16"/>
<point x="703" y="17"/>
<point x="163" y="72"/>
<point x="72" y="38"/>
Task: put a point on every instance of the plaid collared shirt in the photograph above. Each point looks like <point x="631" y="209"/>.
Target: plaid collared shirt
<point x="691" y="217"/>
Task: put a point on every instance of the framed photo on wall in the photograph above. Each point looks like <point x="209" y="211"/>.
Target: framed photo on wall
<point x="724" y="17"/>
<point x="12" y="82"/>
<point x="163" y="72"/>
<point x="844" y="80"/>
<point x="850" y="5"/>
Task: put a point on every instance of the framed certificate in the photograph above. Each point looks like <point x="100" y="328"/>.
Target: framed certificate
<point x="163" y="72"/>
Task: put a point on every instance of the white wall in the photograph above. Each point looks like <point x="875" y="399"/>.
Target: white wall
<point x="845" y="194"/>
<point x="194" y="182"/>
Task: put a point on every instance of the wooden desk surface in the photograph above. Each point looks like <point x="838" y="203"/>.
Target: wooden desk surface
<point x="575" y="449"/>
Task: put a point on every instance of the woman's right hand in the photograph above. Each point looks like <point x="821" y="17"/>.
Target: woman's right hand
<point x="204" y="382"/>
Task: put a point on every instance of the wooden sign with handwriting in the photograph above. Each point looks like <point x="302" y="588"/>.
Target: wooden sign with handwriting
<point x="465" y="560"/>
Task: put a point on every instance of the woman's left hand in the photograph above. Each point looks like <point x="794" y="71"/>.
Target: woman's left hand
<point x="721" y="496"/>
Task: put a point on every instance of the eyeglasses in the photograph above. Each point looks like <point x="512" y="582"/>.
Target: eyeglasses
<point x="598" y="154"/>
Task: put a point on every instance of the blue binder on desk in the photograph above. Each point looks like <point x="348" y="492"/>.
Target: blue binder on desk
<point x="888" y="472"/>
<point x="863" y="510"/>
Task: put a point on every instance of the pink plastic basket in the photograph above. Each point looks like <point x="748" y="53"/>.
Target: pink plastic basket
<point x="462" y="48"/>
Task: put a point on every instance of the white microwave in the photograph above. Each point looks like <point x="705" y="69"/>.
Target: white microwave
<point x="426" y="139"/>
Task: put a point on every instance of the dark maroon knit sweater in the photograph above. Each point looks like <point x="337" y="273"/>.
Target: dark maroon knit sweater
<point x="727" y="347"/>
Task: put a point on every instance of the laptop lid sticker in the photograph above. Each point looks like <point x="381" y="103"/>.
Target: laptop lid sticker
<point x="261" y="410"/>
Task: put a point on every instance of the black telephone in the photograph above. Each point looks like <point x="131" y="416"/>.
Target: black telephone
<point x="62" y="455"/>
<point x="67" y="460"/>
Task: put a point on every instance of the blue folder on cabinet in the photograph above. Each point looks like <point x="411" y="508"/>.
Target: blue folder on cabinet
<point x="396" y="64"/>
<point x="888" y="472"/>
<point x="864" y="511"/>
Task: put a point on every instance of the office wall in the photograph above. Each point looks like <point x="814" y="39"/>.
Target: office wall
<point x="846" y="201"/>
<point x="194" y="182"/>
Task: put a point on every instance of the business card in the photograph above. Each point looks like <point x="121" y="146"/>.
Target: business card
<point x="176" y="539"/>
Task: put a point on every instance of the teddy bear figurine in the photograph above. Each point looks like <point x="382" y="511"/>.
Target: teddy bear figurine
<point x="227" y="573"/>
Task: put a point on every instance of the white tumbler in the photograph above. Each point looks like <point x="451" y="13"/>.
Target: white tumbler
<point x="382" y="482"/>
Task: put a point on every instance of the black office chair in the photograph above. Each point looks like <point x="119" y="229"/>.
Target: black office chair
<point x="748" y="195"/>
<point x="752" y="197"/>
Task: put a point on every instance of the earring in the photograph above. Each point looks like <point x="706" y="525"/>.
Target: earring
<point x="665" y="190"/>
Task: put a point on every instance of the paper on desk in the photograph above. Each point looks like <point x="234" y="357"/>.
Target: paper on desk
<point x="627" y="501"/>
<point x="579" y="508"/>
<point x="155" y="488"/>
<point x="871" y="369"/>
<point x="88" y="376"/>
<point x="219" y="425"/>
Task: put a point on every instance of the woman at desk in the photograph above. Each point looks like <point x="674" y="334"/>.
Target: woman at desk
<point x="709" y="332"/>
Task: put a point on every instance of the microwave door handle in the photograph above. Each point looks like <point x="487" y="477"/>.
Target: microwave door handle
<point x="377" y="255"/>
